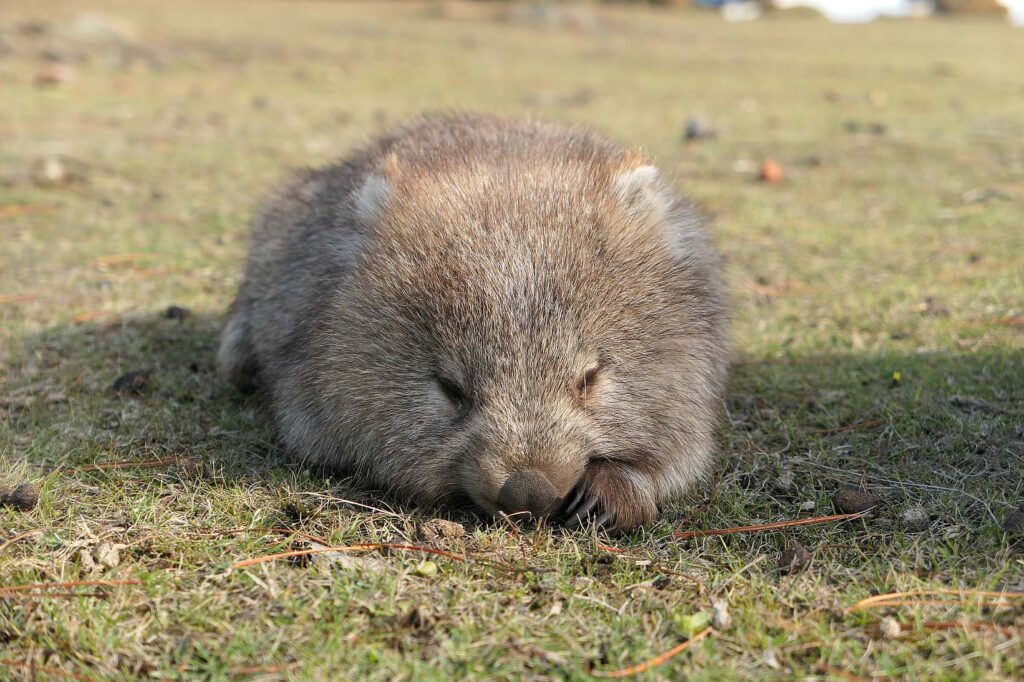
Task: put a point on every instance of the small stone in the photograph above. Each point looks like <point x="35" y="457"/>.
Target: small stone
<point x="771" y="172"/>
<point x="106" y="555"/>
<point x="784" y="483"/>
<point x="85" y="558"/>
<point x="889" y="628"/>
<point x="440" y="530"/>
<point x="856" y="501"/>
<point x="50" y="171"/>
<point x="698" y="128"/>
<point x="794" y="559"/>
<point x="23" y="497"/>
<point x="176" y="312"/>
<point x="915" y="519"/>
<point x="1014" y="522"/>
<point x="720" y="617"/>
<point x="132" y="383"/>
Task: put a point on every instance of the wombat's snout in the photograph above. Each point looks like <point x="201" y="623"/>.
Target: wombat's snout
<point x="528" y="492"/>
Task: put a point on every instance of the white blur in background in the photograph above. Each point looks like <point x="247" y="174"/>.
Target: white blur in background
<point x="854" y="11"/>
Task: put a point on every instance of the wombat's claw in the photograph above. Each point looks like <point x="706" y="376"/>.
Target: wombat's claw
<point x="577" y="497"/>
<point x="575" y="518"/>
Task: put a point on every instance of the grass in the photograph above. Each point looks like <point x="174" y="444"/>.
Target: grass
<point x="893" y="251"/>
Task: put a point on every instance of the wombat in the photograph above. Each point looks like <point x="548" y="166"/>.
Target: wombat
<point x="515" y="313"/>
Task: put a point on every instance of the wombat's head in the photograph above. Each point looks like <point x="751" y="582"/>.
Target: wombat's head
<point x="532" y="336"/>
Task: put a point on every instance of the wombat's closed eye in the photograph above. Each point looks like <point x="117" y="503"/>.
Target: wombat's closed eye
<point x="517" y="313"/>
<point x="455" y="394"/>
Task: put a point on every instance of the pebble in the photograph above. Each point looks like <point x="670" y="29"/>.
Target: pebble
<point x="794" y="559"/>
<point x="1014" y="522"/>
<point x="771" y="172"/>
<point x="132" y="383"/>
<point x="698" y="128"/>
<point x="915" y="519"/>
<point x="721" y="619"/>
<point x="890" y="628"/>
<point x="855" y="501"/>
<point x="23" y="497"/>
<point x="436" y="530"/>
<point x="176" y="312"/>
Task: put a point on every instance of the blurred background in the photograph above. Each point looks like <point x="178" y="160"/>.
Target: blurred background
<point x="867" y="171"/>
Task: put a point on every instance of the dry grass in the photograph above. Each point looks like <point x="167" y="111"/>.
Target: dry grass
<point x="872" y="291"/>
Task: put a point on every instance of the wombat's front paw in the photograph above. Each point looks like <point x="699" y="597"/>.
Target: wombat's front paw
<point x="617" y="496"/>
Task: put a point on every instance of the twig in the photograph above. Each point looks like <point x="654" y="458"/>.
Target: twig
<point x="18" y="298"/>
<point x="687" y="534"/>
<point x="20" y="536"/>
<point x="898" y="598"/>
<point x="19" y="209"/>
<point x="74" y="583"/>
<point x="924" y="602"/>
<point x="606" y="548"/>
<point x="117" y="258"/>
<point x="657" y="660"/>
<point x="119" y="464"/>
<point x="90" y="315"/>
<point x="44" y="669"/>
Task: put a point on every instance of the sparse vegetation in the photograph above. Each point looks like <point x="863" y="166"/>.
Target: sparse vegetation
<point x="878" y="289"/>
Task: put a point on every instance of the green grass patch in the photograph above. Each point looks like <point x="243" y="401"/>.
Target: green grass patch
<point x="878" y="298"/>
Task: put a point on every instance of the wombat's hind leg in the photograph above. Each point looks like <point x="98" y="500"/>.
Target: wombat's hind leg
<point x="236" y="359"/>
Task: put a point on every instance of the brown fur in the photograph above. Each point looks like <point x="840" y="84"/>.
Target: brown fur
<point x="503" y="260"/>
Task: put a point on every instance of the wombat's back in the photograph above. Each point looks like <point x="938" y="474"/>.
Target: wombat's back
<point x="308" y="235"/>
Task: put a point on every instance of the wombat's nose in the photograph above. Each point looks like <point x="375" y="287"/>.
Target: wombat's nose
<point x="528" y="491"/>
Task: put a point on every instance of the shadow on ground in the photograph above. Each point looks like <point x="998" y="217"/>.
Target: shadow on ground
<point x="941" y="432"/>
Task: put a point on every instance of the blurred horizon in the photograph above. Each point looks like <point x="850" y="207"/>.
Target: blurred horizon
<point x="857" y="11"/>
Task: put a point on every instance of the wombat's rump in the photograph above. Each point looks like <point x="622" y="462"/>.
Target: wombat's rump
<point x="514" y="312"/>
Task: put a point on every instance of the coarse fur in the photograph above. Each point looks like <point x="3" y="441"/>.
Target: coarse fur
<point x="470" y="297"/>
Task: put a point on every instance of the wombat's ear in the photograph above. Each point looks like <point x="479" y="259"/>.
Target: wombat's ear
<point x="372" y="198"/>
<point x="641" y="191"/>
